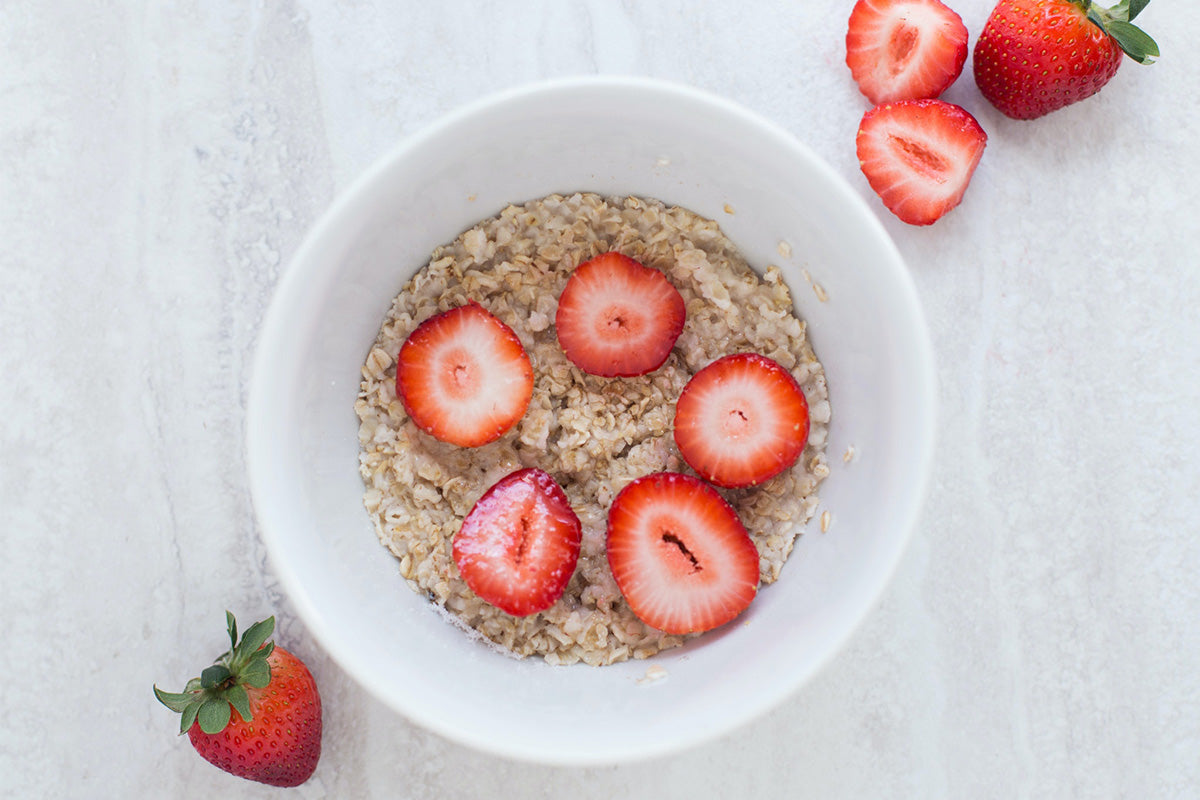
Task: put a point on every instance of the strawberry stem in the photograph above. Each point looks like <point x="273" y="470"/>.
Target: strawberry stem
<point x="221" y="687"/>
<point x="1117" y="23"/>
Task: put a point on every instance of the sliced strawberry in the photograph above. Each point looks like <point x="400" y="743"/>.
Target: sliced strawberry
<point x="904" y="49"/>
<point x="679" y="553"/>
<point x="741" y="420"/>
<point x="464" y="377"/>
<point x="618" y="318"/>
<point x="518" y="546"/>
<point x="919" y="155"/>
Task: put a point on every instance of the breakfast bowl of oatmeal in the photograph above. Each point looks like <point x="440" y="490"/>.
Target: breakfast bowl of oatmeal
<point x="588" y="424"/>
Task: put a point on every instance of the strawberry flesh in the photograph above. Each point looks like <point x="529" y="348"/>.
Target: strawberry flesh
<point x="464" y="376"/>
<point x="617" y="317"/>
<point x="919" y="155"/>
<point x="741" y="420"/>
<point x="518" y="546"/>
<point x="904" y="49"/>
<point x="679" y="554"/>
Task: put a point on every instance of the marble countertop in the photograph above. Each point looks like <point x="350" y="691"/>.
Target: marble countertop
<point x="160" y="163"/>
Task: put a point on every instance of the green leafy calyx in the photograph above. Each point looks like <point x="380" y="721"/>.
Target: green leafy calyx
<point x="220" y="690"/>
<point x="1117" y="22"/>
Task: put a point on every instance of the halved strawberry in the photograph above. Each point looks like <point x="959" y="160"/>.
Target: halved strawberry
<point x="741" y="420"/>
<point x="904" y="49"/>
<point x="679" y="553"/>
<point x="919" y="155"/>
<point x="464" y="377"/>
<point x="518" y="546"/>
<point x="618" y="318"/>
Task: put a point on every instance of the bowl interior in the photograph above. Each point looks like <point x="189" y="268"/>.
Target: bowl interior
<point x="614" y="137"/>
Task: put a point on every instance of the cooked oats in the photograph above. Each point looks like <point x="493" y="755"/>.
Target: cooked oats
<point x="594" y="435"/>
<point x="654" y="674"/>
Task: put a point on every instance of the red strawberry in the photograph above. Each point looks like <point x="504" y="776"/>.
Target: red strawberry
<point x="618" y="318"/>
<point x="904" y="49"/>
<point x="679" y="553"/>
<point x="919" y="155"/>
<point x="255" y="713"/>
<point x="1036" y="56"/>
<point x="518" y="546"/>
<point x="741" y="420"/>
<point x="464" y="377"/>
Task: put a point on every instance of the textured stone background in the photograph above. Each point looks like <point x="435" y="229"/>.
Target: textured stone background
<point x="161" y="161"/>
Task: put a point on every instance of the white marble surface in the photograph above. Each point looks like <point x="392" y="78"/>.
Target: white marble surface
<point x="160" y="162"/>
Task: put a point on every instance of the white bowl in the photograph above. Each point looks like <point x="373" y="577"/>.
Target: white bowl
<point x="615" y="137"/>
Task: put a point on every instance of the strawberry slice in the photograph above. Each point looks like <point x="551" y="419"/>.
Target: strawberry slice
<point x="617" y="317"/>
<point x="464" y="377"/>
<point x="679" y="553"/>
<point x="904" y="49"/>
<point x="518" y="546"/>
<point x="741" y="420"/>
<point x="919" y="155"/>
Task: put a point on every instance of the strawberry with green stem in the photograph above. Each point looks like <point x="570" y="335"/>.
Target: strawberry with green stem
<point x="1036" y="56"/>
<point x="255" y="712"/>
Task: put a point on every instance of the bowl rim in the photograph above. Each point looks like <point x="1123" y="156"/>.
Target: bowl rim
<point x="301" y="266"/>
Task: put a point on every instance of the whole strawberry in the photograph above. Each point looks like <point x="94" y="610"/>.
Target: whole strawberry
<point x="1036" y="56"/>
<point x="255" y="713"/>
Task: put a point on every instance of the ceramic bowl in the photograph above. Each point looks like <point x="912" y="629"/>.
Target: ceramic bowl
<point x="615" y="137"/>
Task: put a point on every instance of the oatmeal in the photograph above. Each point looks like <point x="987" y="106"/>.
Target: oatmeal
<point x="594" y="435"/>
